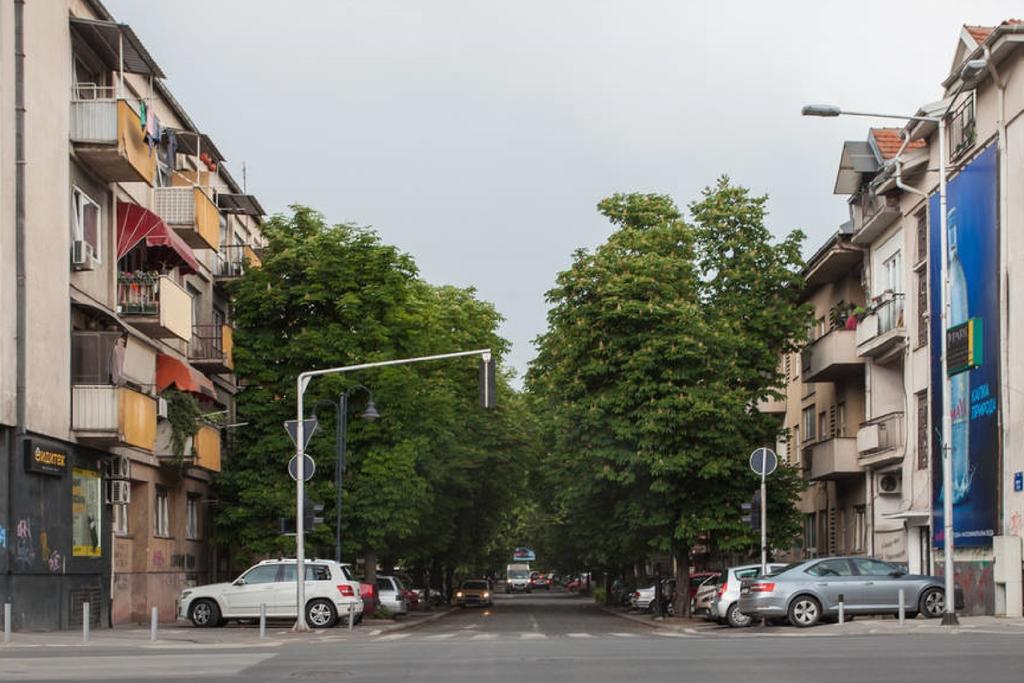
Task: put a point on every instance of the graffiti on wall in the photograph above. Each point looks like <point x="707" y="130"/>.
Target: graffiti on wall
<point x="24" y="548"/>
<point x="3" y="537"/>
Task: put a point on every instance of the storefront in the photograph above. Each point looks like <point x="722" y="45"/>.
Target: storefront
<point x="54" y="533"/>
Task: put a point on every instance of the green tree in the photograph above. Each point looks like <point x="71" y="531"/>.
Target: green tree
<point x="334" y="295"/>
<point x="659" y="345"/>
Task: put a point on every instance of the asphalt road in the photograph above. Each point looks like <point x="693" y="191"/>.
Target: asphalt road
<point x="553" y="638"/>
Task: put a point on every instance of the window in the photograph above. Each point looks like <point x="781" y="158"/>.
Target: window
<point x="923" y="435"/>
<point x="85" y="220"/>
<point x="922" y="309"/>
<point x="86" y="504"/>
<point x="859" y="529"/>
<point x="264" y="573"/>
<point x="314" y="572"/>
<point x="196" y="307"/>
<point x="192" y="517"/>
<point x="823" y="430"/>
<point x="808" y="423"/>
<point x="810" y="533"/>
<point x="868" y="567"/>
<point x="384" y="584"/>
<point x="962" y="129"/>
<point x="120" y="520"/>
<point x="841" y="419"/>
<point x="161" y="514"/>
<point x="892" y="273"/>
<point x="819" y="329"/>
<point x="831" y="568"/>
<point x="922" y="236"/>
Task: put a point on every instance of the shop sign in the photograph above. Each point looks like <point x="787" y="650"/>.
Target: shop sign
<point x="45" y="458"/>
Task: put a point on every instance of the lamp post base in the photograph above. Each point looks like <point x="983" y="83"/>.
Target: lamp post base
<point x="949" y="619"/>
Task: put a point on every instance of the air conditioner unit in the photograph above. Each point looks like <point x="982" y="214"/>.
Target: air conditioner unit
<point x="161" y="408"/>
<point x="83" y="256"/>
<point x="119" y="467"/>
<point x="119" y="492"/>
<point x="889" y="484"/>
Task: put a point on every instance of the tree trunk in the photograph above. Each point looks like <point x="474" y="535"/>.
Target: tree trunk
<point x="370" y="566"/>
<point x="682" y="600"/>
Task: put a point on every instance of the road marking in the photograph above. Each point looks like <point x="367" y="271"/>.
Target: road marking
<point x="394" y="636"/>
<point x="578" y="635"/>
<point x="532" y="636"/>
<point x="536" y="626"/>
<point x="485" y="636"/>
<point x="441" y="636"/>
<point x="624" y="635"/>
<point x="374" y="632"/>
<point x="671" y="634"/>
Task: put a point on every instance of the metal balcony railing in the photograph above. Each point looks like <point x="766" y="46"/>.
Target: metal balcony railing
<point x="138" y="293"/>
<point x="962" y="129"/>
<point x="231" y="260"/>
<point x="890" y="312"/>
<point x="882" y="433"/>
<point x="208" y="343"/>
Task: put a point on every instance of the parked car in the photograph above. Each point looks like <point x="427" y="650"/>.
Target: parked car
<point x="622" y="593"/>
<point x="807" y="592"/>
<point x="412" y="598"/>
<point x="368" y="592"/>
<point x="390" y="594"/>
<point x="700" y="603"/>
<point x="643" y="598"/>
<point x="725" y="593"/>
<point x="697" y="579"/>
<point x="330" y="595"/>
<point x="474" y="592"/>
<point x="540" y="582"/>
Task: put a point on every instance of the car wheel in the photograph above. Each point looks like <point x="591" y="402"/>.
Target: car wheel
<point x="932" y="603"/>
<point x="205" y="614"/>
<point x="321" y="614"/>
<point x="735" y="618"/>
<point x="804" y="611"/>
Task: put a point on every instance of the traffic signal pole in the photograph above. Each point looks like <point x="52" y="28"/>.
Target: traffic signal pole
<point x="487" y="399"/>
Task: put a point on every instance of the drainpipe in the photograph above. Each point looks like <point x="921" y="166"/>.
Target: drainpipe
<point x="19" y="216"/>
<point x="1004" y="275"/>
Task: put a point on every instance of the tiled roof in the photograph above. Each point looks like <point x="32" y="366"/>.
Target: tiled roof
<point x="889" y="141"/>
<point x="981" y="33"/>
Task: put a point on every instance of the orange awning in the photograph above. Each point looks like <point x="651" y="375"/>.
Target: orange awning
<point x="136" y="223"/>
<point x="172" y="372"/>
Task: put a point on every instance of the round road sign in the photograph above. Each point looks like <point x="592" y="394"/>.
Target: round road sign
<point x="763" y="461"/>
<point x="308" y="467"/>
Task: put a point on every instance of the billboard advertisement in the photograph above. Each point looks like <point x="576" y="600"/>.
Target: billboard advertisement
<point x="972" y="333"/>
<point x="522" y="554"/>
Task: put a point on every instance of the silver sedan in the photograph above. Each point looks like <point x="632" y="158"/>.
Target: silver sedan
<point x="809" y="591"/>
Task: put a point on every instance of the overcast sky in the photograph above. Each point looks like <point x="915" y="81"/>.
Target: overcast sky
<point x="479" y="136"/>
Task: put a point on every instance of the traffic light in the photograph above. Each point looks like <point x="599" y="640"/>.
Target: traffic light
<point x="488" y="383"/>
<point x="313" y="514"/>
<point x="752" y="511"/>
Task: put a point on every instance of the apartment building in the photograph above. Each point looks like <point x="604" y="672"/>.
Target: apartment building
<point x="893" y="183"/>
<point x="119" y="226"/>
<point x="824" y="404"/>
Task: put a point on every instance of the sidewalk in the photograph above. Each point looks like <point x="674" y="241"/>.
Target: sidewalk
<point x="860" y="626"/>
<point x="233" y="636"/>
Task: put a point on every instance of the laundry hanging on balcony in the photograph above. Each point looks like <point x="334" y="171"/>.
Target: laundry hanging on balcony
<point x="136" y="223"/>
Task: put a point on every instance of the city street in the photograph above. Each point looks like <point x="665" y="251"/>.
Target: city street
<point x="549" y="637"/>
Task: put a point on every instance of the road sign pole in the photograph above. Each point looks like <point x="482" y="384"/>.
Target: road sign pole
<point x="300" y="522"/>
<point x="764" y="525"/>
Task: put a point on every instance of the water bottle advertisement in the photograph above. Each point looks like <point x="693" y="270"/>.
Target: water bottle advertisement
<point x="972" y="257"/>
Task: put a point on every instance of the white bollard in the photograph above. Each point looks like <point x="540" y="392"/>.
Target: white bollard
<point x="351" y="615"/>
<point x="903" y="607"/>
<point x="842" y="614"/>
<point x="152" y="624"/>
<point x="263" y="620"/>
<point x="7" y="622"/>
<point x="85" y="622"/>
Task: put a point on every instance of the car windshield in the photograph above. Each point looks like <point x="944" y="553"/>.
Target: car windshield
<point x="475" y="585"/>
<point x="518" y="574"/>
<point x="783" y="569"/>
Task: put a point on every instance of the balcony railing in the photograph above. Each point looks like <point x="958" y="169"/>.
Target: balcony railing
<point x="880" y="434"/>
<point x="191" y="213"/>
<point x="108" y="135"/>
<point x="107" y="415"/>
<point x="232" y="260"/>
<point x="883" y="329"/>
<point x="878" y="212"/>
<point x="212" y="347"/>
<point x="962" y="129"/>
<point x="157" y="304"/>
<point x="833" y="458"/>
<point x="832" y="357"/>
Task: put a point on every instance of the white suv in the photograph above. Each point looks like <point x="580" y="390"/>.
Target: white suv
<point x="330" y="594"/>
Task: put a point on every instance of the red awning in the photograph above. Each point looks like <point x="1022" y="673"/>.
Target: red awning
<point x="135" y="223"/>
<point x="172" y="372"/>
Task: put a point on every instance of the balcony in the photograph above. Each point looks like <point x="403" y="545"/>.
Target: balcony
<point x="233" y="260"/>
<point x="207" y="447"/>
<point x="877" y="212"/>
<point x="832" y="357"/>
<point x="104" y="415"/>
<point x="211" y="348"/>
<point x="880" y="440"/>
<point x="882" y="334"/>
<point x="190" y="213"/>
<point x="155" y="304"/>
<point x="203" y="450"/>
<point x="107" y="136"/>
<point x="834" y="458"/>
<point x="772" y="406"/>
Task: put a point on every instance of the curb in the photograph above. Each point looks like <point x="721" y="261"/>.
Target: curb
<point x="647" y="622"/>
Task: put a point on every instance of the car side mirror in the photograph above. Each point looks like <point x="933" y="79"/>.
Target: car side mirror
<point x="238" y="582"/>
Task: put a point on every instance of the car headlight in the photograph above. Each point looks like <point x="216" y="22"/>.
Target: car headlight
<point x="459" y="594"/>
<point x="185" y="594"/>
<point x="487" y="595"/>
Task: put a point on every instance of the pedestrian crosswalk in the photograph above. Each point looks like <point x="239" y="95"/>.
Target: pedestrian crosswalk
<point x="490" y="636"/>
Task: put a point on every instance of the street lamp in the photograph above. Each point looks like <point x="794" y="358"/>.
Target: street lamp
<point x="370" y="414"/>
<point x="969" y="71"/>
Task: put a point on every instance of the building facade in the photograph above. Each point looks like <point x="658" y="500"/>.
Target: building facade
<point x="119" y="226"/>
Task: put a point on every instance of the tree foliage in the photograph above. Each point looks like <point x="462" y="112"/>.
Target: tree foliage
<point x="659" y="345"/>
<point x="335" y="295"/>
